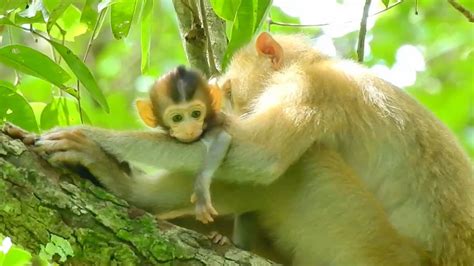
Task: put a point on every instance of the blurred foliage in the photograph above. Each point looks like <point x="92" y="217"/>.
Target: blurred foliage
<point x="11" y="255"/>
<point x="125" y="45"/>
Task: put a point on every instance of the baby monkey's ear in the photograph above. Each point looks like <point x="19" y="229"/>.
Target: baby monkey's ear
<point x="216" y="97"/>
<point x="145" y="110"/>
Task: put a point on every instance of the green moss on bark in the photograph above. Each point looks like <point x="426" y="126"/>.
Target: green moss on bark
<point x="69" y="219"/>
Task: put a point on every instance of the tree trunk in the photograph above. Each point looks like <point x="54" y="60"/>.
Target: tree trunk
<point x="70" y="220"/>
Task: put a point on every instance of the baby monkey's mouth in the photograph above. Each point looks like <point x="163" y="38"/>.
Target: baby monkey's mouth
<point x="189" y="140"/>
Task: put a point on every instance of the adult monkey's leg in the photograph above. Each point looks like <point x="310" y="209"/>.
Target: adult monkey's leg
<point x="325" y="215"/>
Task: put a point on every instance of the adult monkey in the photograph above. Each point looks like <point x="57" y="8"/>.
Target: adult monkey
<point x="341" y="167"/>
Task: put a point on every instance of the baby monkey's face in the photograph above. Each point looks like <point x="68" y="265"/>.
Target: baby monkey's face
<point x="186" y="120"/>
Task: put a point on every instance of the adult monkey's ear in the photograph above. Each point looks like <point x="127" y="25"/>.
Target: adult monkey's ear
<point x="145" y="110"/>
<point x="267" y="46"/>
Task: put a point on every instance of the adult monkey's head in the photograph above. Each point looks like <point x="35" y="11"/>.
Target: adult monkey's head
<point x="252" y="66"/>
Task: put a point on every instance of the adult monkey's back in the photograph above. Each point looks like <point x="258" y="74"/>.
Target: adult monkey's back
<point x="341" y="167"/>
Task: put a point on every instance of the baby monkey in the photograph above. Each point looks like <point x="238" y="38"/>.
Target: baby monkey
<point x="183" y="103"/>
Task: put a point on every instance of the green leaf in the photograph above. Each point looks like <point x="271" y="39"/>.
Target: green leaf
<point x="121" y="17"/>
<point x="61" y="112"/>
<point x="242" y="29"/>
<point x="89" y="13"/>
<point x="226" y="9"/>
<point x="57" y="246"/>
<point x="5" y="21"/>
<point x="17" y="257"/>
<point x="7" y="84"/>
<point x="63" y="244"/>
<point x="248" y="20"/>
<point x="25" y="20"/>
<point x="147" y="15"/>
<point x="260" y="9"/>
<point x="385" y="2"/>
<point x="50" y="5"/>
<point x="8" y="5"/>
<point x="82" y="73"/>
<point x="35" y="9"/>
<point x="32" y="62"/>
<point x="15" y="108"/>
<point x="104" y="4"/>
<point x="56" y="9"/>
<point x="70" y="22"/>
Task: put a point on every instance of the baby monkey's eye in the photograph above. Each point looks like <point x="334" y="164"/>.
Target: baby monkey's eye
<point x="196" y="114"/>
<point x="177" y="118"/>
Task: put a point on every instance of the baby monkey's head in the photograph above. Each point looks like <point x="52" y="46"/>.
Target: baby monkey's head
<point x="182" y="102"/>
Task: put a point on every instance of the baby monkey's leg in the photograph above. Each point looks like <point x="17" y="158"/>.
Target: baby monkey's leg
<point x="219" y="141"/>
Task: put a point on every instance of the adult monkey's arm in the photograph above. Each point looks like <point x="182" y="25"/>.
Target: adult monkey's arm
<point x="277" y="131"/>
<point x="159" y="150"/>
<point x="161" y="193"/>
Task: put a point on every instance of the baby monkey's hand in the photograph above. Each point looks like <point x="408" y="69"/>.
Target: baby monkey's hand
<point x="204" y="209"/>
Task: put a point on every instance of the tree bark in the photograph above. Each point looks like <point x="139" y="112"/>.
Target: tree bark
<point x="203" y="35"/>
<point x="55" y="212"/>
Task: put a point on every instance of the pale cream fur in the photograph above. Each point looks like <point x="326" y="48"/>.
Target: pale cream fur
<point x="342" y="167"/>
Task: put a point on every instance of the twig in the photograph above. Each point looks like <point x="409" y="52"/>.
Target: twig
<point x="32" y="31"/>
<point x="17" y="75"/>
<point x="468" y="14"/>
<point x="88" y="48"/>
<point x="363" y="31"/>
<point x="212" y="64"/>
<point x="63" y="37"/>
<point x="269" y="20"/>
<point x="283" y="24"/>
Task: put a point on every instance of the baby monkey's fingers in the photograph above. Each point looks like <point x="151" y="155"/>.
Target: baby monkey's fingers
<point x="202" y="214"/>
<point x="211" y="209"/>
<point x="205" y="213"/>
<point x="193" y="198"/>
<point x="204" y="209"/>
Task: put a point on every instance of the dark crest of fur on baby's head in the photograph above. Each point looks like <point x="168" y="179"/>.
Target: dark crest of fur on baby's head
<point x="184" y="83"/>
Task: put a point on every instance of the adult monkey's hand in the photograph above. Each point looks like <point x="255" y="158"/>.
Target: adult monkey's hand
<point x="70" y="147"/>
<point x="19" y="133"/>
<point x="66" y="145"/>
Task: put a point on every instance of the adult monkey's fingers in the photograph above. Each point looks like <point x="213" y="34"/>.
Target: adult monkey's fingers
<point x="69" y="157"/>
<point x="71" y="134"/>
<point x="56" y="145"/>
<point x="18" y="133"/>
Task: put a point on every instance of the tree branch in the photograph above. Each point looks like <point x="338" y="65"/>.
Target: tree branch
<point x="210" y="54"/>
<point x="217" y="40"/>
<point x="192" y="34"/>
<point x="363" y="31"/>
<point x="41" y="204"/>
<point x="468" y="14"/>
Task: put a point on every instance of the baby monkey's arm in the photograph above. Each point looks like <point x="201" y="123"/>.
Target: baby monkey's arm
<point x="218" y="141"/>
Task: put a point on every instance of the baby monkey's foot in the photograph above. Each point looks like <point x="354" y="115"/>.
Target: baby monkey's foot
<point x="217" y="238"/>
<point x="204" y="209"/>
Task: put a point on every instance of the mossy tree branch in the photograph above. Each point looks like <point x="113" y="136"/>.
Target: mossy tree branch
<point x="43" y="208"/>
